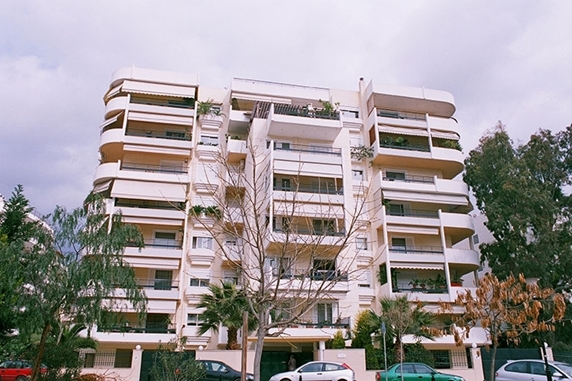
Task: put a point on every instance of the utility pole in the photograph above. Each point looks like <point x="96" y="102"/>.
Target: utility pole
<point x="244" y="345"/>
<point x="383" y="331"/>
<point x="546" y="367"/>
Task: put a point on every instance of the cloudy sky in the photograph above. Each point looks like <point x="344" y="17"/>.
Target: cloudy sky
<point x="502" y="60"/>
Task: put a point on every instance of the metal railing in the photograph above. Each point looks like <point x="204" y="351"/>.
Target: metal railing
<point x="108" y="359"/>
<point x="153" y="168"/>
<point x="310" y="231"/>
<point x="262" y="109"/>
<point x="410" y="147"/>
<point x="414" y="213"/>
<point x="400" y="115"/>
<point x="158" y="284"/>
<point x="165" y="103"/>
<point x="161" y="134"/>
<point x="416" y="249"/>
<point x="151" y="205"/>
<point x="309" y="189"/>
<point x="411" y="179"/>
<point x="129" y="329"/>
<point x="310" y="149"/>
<point x="312" y="274"/>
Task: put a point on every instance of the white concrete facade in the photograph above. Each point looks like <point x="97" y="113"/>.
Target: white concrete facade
<point x="158" y="161"/>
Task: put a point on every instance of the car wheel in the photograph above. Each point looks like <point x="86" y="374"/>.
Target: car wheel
<point x="21" y="378"/>
<point x="285" y="379"/>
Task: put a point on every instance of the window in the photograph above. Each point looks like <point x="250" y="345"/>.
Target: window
<point x="399" y="243"/>
<point x="364" y="278"/>
<point x="357" y="174"/>
<point x="209" y="140"/>
<point x="537" y="368"/>
<point x="325" y="312"/>
<point x="324" y="226"/>
<point x="350" y="114"/>
<point x="324" y="269"/>
<point x="163" y="279"/>
<point x="361" y="243"/>
<point x="516" y="367"/>
<point x="396" y="210"/>
<point x="316" y="367"/>
<point x="196" y="282"/>
<point x="203" y="243"/>
<point x="356" y="141"/>
<point x="193" y="320"/>
<point x="123" y="358"/>
<point x="280" y="266"/>
<point x="475" y="239"/>
<point x="281" y="145"/>
<point x="395" y="175"/>
<point x="165" y="239"/>
<point x="175" y="134"/>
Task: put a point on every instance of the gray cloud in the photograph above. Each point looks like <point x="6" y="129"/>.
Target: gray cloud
<point x="501" y="60"/>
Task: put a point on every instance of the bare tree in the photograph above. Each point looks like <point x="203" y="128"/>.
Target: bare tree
<point x="289" y="237"/>
<point x="507" y="308"/>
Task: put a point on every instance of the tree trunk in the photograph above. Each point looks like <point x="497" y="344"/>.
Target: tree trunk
<point x="41" y="348"/>
<point x="232" y="342"/>
<point x="493" y="355"/>
<point x="398" y="357"/>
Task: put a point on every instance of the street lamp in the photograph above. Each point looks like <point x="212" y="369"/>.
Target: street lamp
<point x="383" y="331"/>
<point x="546" y="367"/>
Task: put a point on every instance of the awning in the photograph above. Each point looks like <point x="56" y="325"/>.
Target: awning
<point x="415" y="266"/>
<point x="251" y="97"/>
<point x="425" y="197"/>
<point x="403" y="130"/>
<point x="111" y="121"/>
<point x="444" y="135"/>
<point x="160" y="118"/>
<point x="307" y="169"/>
<point x="158" y="89"/>
<point x="152" y="263"/>
<point x="101" y="187"/>
<point x="149" y="190"/>
<point x="112" y="92"/>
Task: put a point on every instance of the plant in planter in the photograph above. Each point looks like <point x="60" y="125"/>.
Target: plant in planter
<point x="213" y="211"/>
<point x="197" y="210"/>
<point x="361" y="152"/>
<point x="454" y="144"/>
<point x="456" y="281"/>
<point x="208" y="108"/>
<point x="415" y="282"/>
<point x="328" y="109"/>
<point x="439" y="283"/>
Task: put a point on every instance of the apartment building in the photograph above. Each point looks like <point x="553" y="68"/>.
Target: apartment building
<point x="380" y="163"/>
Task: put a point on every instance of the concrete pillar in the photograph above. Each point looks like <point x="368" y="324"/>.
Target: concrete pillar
<point x="136" y="362"/>
<point x="478" y="371"/>
<point x="321" y="349"/>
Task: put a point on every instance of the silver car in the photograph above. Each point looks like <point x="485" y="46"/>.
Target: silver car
<point x="533" y="370"/>
<point x="318" y="370"/>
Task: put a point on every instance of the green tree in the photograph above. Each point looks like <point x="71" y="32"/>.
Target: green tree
<point x="402" y="318"/>
<point x="365" y="325"/>
<point x="338" y="341"/>
<point x="224" y="305"/>
<point x="521" y="191"/>
<point x="170" y="363"/>
<point x="509" y="309"/>
<point x="66" y="268"/>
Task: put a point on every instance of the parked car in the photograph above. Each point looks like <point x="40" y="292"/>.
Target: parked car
<point x="318" y="370"/>
<point x="17" y="370"/>
<point x="532" y="370"/>
<point x="414" y="371"/>
<point x="219" y="371"/>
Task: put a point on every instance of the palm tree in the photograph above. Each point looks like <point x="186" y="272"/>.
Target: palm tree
<point x="402" y="318"/>
<point x="224" y="305"/>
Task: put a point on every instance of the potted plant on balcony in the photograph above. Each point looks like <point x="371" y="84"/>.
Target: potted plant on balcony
<point x="361" y="152"/>
<point x="213" y="211"/>
<point x="197" y="210"/>
<point x="456" y="281"/>
<point x="454" y="144"/>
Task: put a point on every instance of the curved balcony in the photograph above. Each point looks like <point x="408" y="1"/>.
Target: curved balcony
<point x="447" y="160"/>
<point x="115" y="106"/>
<point x="293" y="121"/>
<point x="464" y="260"/>
<point x="443" y="124"/>
<point x="193" y="293"/>
<point x="105" y="172"/>
<point x="236" y="150"/>
<point x="457" y="226"/>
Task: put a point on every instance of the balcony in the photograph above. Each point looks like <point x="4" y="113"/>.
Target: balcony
<point x="293" y="121"/>
<point x="174" y="141"/>
<point x="415" y="152"/>
<point x="458" y="226"/>
<point x="159" y="288"/>
<point x="149" y="211"/>
<point x="463" y="260"/>
<point x="329" y="280"/>
<point x="115" y="106"/>
<point x="236" y="150"/>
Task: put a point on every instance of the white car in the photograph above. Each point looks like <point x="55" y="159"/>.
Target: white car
<point x="318" y="370"/>
<point x="533" y="370"/>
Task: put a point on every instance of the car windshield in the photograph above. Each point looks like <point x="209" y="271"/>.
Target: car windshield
<point x="566" y="368"/>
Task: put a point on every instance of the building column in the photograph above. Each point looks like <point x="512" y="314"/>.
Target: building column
<point x="476" y="359"/>
<point x="136" y="362"/>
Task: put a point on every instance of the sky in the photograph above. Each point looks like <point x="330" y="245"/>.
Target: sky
<point x="507" y="60"/>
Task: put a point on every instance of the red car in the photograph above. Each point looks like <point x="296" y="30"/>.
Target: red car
<point x="17" y="370"/>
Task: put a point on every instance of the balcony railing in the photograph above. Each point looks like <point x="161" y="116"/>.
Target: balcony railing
<point x="158" y="284"/>
<point x="309" y="231"/>
<point x="329" y="275"/>
<point x="188" y="103"/>
<point x="309" y="189"/>
<point x="310" y="149"/>
<point x="400" y="115"/>
<point x="262" y="109"/>
<point x="151" y="205"/>
<point x="416" y="249"/>
<point x="130" y="329"/>
<point x="108" y="359"/>
<point x="409" y="147"/>
<point x="411" y="179"/>
<point x="160" y="134"/>
<point x="161" y="244"/>
<point x="153" y="168"/>
<point x="414" y="213"/>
